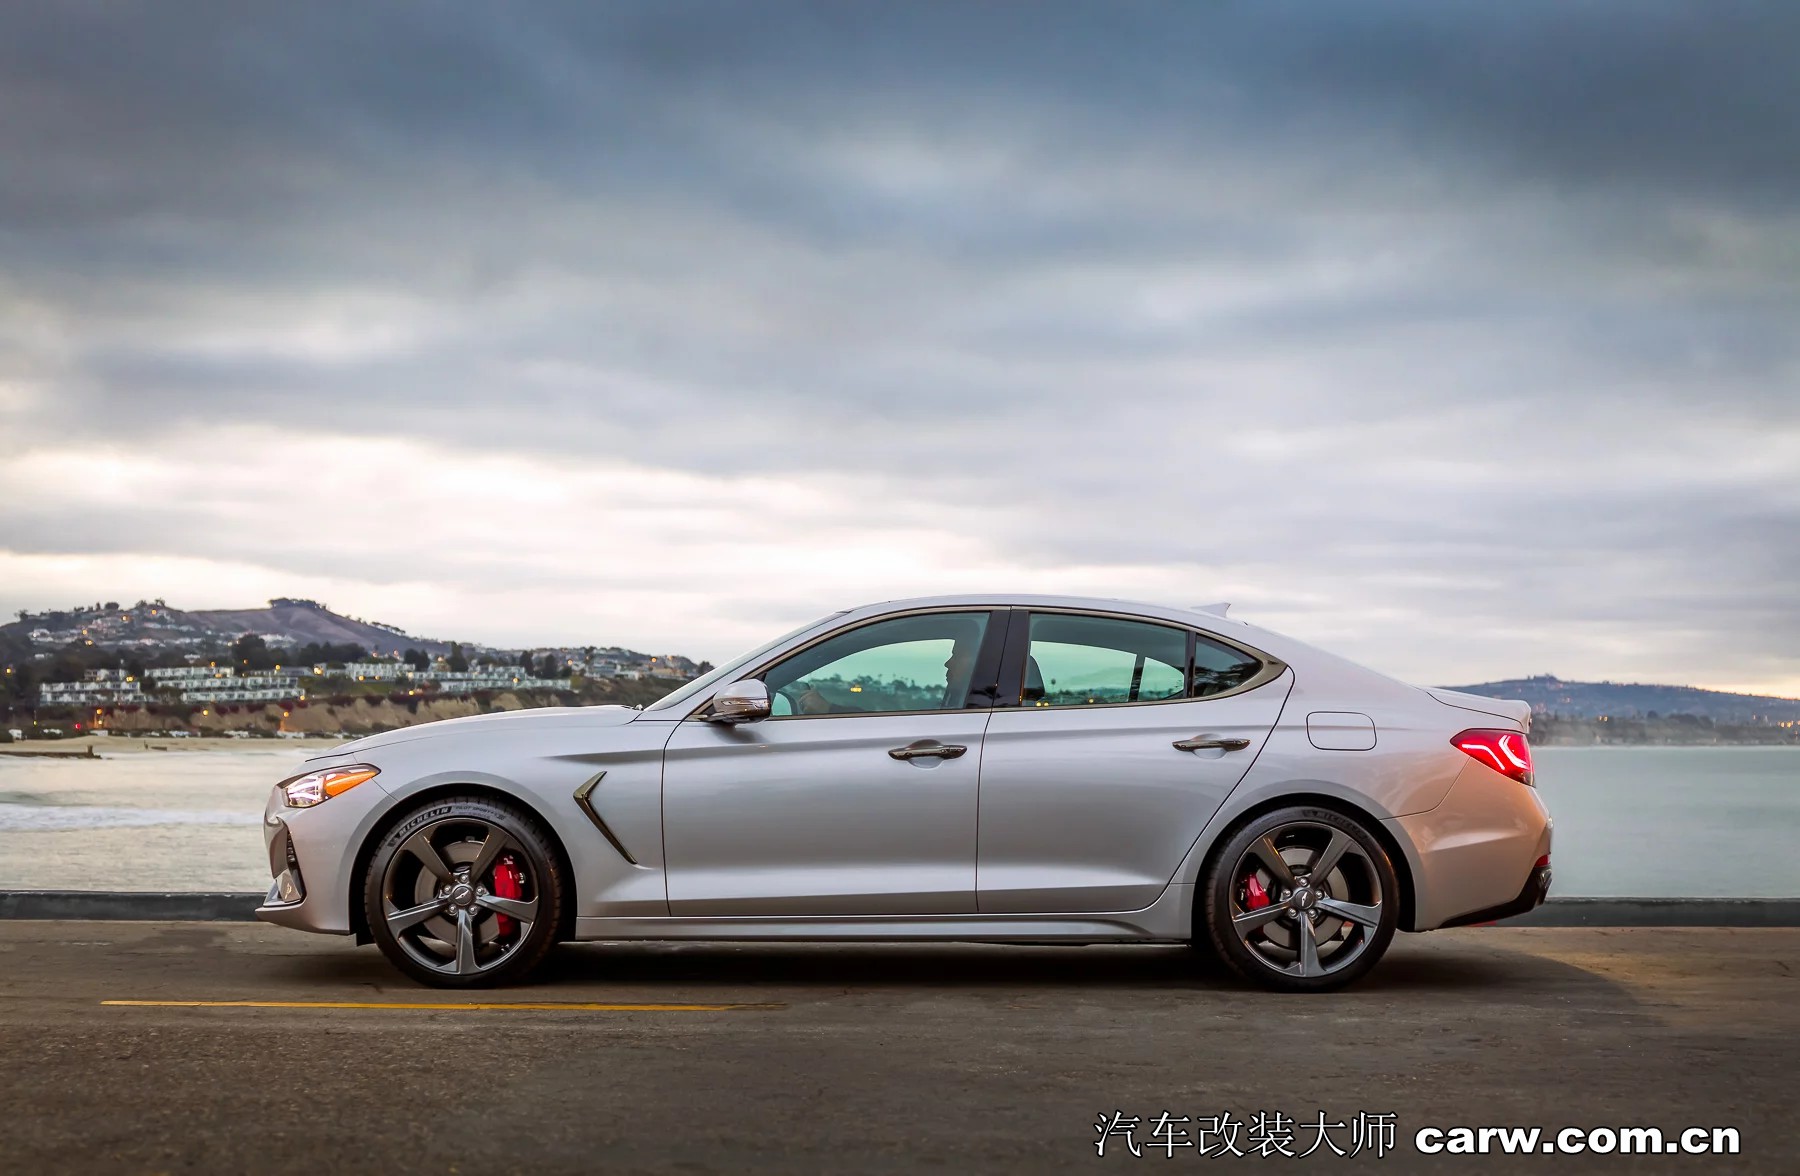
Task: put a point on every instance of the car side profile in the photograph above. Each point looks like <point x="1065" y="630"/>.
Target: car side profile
<point x="974" y="768"/>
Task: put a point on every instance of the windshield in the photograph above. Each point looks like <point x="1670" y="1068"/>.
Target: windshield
<point x="724" y="673"/>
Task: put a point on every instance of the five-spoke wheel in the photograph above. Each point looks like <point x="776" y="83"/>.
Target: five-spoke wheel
<point x="464" y="892"/>
<point x="1301" y="899"/>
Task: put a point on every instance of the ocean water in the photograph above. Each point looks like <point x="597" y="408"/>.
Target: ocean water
<point x="1648" y="821"/>
<point x="139" y="820"/>
<point x="1694" y="822"/>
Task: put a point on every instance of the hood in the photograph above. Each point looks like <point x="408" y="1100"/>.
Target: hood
<point x="1514" y="709"/>
<point x="541" y="717"/>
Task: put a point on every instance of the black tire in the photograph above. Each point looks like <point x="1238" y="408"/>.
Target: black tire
<point x="1359" y="888"/>
<point x="437" y="949"/>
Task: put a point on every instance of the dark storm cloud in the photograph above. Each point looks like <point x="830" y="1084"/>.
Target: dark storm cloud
<point x="1347" y="298"/>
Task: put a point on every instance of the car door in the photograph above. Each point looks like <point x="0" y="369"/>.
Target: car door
<point x="857" y="796"/>
<point x="1125" y="737"/>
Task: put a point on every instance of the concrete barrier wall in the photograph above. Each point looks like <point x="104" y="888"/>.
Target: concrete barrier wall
<point x="1558" y="912"/>
<point x="103" y="904"/>
<point x="1663" y="912"/>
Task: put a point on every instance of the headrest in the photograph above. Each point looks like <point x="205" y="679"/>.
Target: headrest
<point x="1034" y="681"/>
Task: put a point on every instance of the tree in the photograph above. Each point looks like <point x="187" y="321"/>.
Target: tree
<point x="525" y="662"/>
<point x="19" y="683"/>
<point x="704" y="667"/>
<point x="417" y="659"/>
<point x="458" y="663"/>
<point x="251" y="652"/>
<point x="315" y="652"/>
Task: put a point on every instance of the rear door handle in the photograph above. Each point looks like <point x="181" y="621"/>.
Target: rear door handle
<point x="927" y="749"/>
<point x="1206" y="742"/>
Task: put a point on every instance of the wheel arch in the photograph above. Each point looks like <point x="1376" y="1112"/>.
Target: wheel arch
<point x="1377" y="828"/>
<point x="399" y="806"/>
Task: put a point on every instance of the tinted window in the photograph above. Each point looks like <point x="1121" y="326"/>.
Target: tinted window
<point x="1086" y="661"/>
<point x="916" y="663"/>
<point x="1218" y="667"/>
<point x="1094" y="661"/>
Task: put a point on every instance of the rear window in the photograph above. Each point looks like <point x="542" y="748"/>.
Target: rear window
<point x="1078" y="660"/>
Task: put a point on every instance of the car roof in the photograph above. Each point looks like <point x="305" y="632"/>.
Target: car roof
<point x="1211" y="612"/>
<point x="1209" y="618"/>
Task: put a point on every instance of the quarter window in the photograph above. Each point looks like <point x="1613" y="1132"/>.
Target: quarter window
<point x="1218" y="667"/>
<point x="917" y="663"/>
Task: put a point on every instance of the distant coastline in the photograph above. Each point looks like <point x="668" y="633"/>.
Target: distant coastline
<point x="296" y="668"/>
<point x="1670" y="731"/>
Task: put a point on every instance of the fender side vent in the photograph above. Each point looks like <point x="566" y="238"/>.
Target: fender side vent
<point x="582" y="798"/>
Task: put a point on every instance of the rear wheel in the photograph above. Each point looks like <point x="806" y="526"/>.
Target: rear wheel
<point x="464" y="892"/>
<point x="1301" y="900"/>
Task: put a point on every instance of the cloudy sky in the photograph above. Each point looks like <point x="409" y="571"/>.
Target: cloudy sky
<point x="1461" y="338"/>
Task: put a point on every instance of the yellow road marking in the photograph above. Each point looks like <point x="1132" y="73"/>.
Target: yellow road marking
<point x="532" y="1006"/>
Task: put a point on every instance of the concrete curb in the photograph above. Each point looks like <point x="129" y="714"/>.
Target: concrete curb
<point x="1558" y="912"/>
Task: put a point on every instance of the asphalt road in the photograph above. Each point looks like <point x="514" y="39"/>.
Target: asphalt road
<point x="862" y="1058"/>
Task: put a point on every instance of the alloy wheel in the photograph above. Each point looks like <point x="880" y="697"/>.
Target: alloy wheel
<point x="460" y="896"/>
<point x="1305" y="899"/>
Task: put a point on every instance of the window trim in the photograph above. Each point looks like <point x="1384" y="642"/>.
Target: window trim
<point x="1018" y="648"/>
<point x="988" y="663"/>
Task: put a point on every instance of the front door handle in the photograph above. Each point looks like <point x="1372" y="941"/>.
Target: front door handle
<point x="927" y="749"/>
<point x="1205" y="742"/>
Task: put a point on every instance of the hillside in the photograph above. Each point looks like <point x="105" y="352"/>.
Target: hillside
<point x="63" y="644"/>
<point x="1549" y="695"/>
<point x="301" y="622"/>
<point x="153" y="624"/>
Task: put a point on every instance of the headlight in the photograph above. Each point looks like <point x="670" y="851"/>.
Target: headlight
<point x="317" y="787"/>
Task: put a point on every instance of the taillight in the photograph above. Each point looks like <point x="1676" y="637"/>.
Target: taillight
<point x="1507" y="752"/>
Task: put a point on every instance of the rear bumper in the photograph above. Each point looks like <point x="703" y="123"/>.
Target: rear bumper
<point x="1537" y="889"/>
<point x="1475" y="856"/>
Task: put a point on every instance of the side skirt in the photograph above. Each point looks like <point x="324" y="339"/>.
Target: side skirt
<point x="1168" y="920"/>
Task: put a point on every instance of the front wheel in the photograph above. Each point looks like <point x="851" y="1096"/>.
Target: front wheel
<point x="1301" y="900"/>
<point x="464" y="892"/>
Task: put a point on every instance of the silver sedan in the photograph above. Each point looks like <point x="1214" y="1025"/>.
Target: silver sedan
<point x="992" y="768"/>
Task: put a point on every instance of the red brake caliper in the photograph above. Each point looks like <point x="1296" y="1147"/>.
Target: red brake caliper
<point x="1256" y="896"/>
<point x="509" y="882"/>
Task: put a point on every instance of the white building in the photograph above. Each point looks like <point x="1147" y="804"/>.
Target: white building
<point x="242" y="682"/>
<point x="182" y="675"/>
<point x="268" y="687"/>
<point x="367" y="671"/>
<point x="97" y="688"/>
<point x="488" y="678"/>
<point x="249" y="694"/>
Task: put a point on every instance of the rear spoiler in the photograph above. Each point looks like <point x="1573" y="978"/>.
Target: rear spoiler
<point x="1515" y="710"/>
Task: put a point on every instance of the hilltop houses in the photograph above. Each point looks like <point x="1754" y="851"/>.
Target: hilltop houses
<point x="224" y="665"/>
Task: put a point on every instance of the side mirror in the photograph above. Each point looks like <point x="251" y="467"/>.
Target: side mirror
<point x="741" y="702"/>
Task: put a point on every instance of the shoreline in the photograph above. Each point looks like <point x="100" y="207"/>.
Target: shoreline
<point x="84" y="747"/>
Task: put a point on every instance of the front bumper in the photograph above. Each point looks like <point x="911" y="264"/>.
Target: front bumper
<point x="310" y="859"/>
<point x="289" y="887"/>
